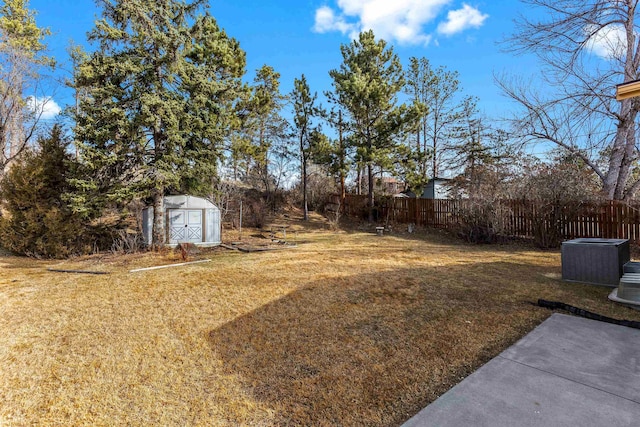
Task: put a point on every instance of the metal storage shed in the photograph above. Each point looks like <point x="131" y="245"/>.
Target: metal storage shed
<point x="187" y="219"/>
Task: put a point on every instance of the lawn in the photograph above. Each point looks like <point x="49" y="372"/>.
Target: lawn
<point x="346" y="328"/>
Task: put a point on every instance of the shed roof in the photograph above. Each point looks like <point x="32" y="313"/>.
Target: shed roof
<point x="187" y="202"/>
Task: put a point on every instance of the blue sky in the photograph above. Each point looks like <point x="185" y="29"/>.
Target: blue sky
<point x="304" y="36"/>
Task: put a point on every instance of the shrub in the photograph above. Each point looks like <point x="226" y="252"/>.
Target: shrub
<point x="256" y="212"/>
<point x="559" y="192"/>
<point x="482" y="221"/>
<point x="36" y="220"/>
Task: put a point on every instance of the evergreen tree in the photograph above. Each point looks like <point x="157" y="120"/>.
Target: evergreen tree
<point x="304" y="110"/>
<point x="159" y="99"/>
<point x="333" y="155"/>
<point x="19" y="24"/>
<point x="339" y="150"/>
<point x="260" y="147"/>
<point x="481" y="155"/>
<point x="408" y="165"/>
<point x="267" y="127"/>
<point x="37" y="220"/>
<point x="470" y="137"/>
<point x="366" y="86"/>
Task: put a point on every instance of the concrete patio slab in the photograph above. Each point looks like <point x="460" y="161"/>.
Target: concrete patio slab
<point x="567" y="371"/>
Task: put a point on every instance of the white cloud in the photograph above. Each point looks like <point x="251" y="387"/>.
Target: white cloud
<point x="609" y="42"/>
<point x="462" y="19"/>
<point x="45" y="107"/>
<point x="393" y="20"/>
<point x="326" y="20"/>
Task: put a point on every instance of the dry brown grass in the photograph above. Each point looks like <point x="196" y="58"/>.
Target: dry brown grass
<point x="347" y="328"/>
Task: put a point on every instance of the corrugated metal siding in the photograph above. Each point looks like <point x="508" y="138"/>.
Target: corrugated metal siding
<point x="212" y="221"/>
<point x="147" y="225"/>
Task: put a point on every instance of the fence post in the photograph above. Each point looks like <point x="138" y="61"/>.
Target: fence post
<point x="606" y="219"/>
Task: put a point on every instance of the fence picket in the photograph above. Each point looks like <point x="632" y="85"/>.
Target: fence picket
<point x="609" y="219"/>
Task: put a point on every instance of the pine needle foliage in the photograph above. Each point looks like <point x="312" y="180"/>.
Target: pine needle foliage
<point x="366" y="86"/>
<point x="36" y="220"/>
<point x="160" y="93"/>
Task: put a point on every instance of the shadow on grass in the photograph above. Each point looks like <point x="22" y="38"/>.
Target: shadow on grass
<point x="24" y="263"/>
<point x="374" y="349"/>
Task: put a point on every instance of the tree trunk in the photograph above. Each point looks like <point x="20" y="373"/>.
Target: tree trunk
<point x="265" y="166"/>
<point x="158" y="233"/>
<point x="343" y="193"/>
<point x="159" y="138"/>
<point x="343" y="190"/>
<point x="235" y="169"/>
<point x="627" y="162"/>
<point x="370" y="197"/>
<point x="304" y="181"/>
<point x="435" y="161"/>
<point x="616" y="170"/>
<point x="17" y="141"/>
<point x="3" y="157"/>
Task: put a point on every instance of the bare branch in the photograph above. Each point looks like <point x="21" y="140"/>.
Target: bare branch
<point x="585" y="49"/>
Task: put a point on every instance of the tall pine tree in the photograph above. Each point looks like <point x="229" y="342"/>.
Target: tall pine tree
<point x="304" y="110"/>
<point x="366" y="87"/>
<point x="159" y="94"/>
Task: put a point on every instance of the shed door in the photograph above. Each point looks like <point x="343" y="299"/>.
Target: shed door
<point x="185" y="226"/>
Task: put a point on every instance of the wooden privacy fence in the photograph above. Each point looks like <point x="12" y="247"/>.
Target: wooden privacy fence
<point x="521" y="218"/>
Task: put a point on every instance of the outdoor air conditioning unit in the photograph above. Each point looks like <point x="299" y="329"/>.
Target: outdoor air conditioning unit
<point x="595" y="261"/>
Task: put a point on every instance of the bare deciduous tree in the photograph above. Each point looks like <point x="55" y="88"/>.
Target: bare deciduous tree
<point x="439" y="91"/>
<point x="20" y="114"/>
<point x="585" y="48"/>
